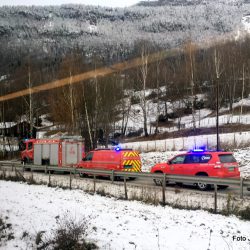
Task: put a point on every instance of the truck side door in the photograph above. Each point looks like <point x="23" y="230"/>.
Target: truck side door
<point x="88" y="160"/>
<point x="30" y="151"/>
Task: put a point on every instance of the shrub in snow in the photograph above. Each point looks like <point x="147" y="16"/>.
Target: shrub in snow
<point x="245" y="214"/>
<point x="6" y="233"/>
<point x="69" y="235"/>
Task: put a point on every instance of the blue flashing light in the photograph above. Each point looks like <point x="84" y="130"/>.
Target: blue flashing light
<point x="117" y="149"/>
<point x="198" y="150"/>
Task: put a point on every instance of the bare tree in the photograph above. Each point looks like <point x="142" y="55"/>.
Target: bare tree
<point x="143" y="80"/>
<point x="218" y="71"/>
<point x="190" y="50"/>
<point x="242" y="92"/>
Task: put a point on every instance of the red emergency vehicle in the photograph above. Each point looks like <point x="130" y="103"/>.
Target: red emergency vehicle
<point x="112" y="159"/>
<point x="200" y="163"/>
<point x="62" y="152"/>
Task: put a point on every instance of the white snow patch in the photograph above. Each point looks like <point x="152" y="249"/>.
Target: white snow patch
<point x="120" y="224"/>
<point x="246" y="22"/>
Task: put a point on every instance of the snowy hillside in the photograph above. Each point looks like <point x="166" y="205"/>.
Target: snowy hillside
<point x="202" y="118"/>
<point x="246" y="22"/>
<point x="114" y="224"/>
<point x="54" y="29"/>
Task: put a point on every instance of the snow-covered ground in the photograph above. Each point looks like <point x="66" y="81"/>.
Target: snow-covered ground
<point x="246" y="22"/>
<point x="115" y="224"/>
<point x="201" y="117"/>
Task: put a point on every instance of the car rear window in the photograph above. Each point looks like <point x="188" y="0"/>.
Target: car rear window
<point x="226" y="158"/>
<point x="197" y="158"/>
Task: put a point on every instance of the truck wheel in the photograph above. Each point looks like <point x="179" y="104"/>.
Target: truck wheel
<point x="117" y="178"/>
<point x="222" y="186"/>
<point x="25" y="161"/>
<point x="179" y="184"/>
<point x="201" y="185"/>
<point x="82" y="175"/>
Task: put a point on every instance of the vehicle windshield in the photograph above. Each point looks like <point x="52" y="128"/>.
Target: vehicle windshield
<point x="227" y="158"/>
<point x="88" y="157"/>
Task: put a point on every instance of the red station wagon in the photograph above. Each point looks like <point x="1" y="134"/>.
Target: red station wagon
<point x="200" y="163"/>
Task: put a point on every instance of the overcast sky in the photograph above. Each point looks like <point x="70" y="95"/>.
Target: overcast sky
<point x="110" y="3"/>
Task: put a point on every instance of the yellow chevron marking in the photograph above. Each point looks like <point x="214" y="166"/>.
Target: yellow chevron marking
<point x="136" y="165"/>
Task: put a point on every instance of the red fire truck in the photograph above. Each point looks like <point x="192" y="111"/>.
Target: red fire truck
<point x="62" y="152"/>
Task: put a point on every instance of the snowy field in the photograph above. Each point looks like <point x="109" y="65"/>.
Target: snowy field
<point x="116" y="224"/>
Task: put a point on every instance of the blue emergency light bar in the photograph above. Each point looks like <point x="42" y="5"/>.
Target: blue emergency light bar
<point x="198" y="150"/>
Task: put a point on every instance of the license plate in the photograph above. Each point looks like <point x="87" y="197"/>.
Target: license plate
<point x="231" y="169"/>
<point x="127" y="166"/>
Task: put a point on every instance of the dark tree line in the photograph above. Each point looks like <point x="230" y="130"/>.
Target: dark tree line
<point x="92" y="108"/>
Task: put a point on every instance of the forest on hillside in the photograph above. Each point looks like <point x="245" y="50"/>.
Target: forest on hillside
<point x="42" y="44"/>
<point x="91" y="108"/>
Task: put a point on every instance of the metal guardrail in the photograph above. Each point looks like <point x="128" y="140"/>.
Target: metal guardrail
<point x="241" y="182"/>
<point x="174" y="178"/>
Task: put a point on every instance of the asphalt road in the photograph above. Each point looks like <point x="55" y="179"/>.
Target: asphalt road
<point x="185" y="187"/>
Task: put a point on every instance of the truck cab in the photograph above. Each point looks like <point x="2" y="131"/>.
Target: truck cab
<point x="27" y="151"/>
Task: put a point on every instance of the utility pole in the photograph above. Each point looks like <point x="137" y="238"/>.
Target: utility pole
<point x="217" y="116"/>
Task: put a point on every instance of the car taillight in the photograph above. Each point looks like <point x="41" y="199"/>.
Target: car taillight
<point x="217" y="165"/>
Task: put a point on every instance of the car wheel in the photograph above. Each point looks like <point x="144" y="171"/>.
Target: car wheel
<point x="158" y="182"/>
<point x="202" y="185"/>
<point x="222" y="186"/>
